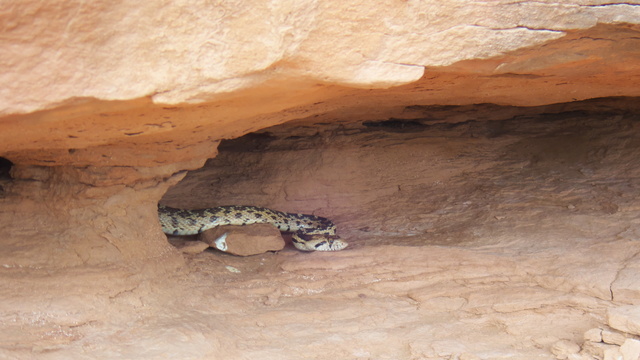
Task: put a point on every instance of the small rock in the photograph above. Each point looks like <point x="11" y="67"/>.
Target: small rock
<point x="563" y="348"/>
<point x="625" y="319"/>
<point x="614" y="338"/>
<point x="244" y="240"/>
<point x="630" y="349"/>
<point x="594" y="335"/>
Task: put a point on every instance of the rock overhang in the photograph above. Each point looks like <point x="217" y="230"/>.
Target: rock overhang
<point x="98" y="86"/>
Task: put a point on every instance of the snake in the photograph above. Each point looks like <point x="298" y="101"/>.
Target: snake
<point x="308" y="232"/>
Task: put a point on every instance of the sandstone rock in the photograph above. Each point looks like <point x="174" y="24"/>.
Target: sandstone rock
<point x="612" y="353"/>
<point x="85" y="119"/>
<point x="601" y="350"/>
<point x="626" y="287"/>
<point x="563" y="348"/>
<point x="593" y="335"/>
<point x="351" y="43"/>
<point x="630" y="349"/>
<point x="625" y="319"/>
<point x="613" y="338"/>
<point x="244" y="240"/>
<point x="121" y="117"/>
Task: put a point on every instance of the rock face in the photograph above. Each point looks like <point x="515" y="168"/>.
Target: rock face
<point x="453" y="143"/>
<point x="113" y="90"/>
<point x="625" y="319"/>
<point x="176" y="54"/>
<point x="116" y="91"/>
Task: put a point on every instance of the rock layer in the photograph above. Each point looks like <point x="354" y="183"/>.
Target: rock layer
<point x="185" y="89"/>
<point x="178" y="54"/>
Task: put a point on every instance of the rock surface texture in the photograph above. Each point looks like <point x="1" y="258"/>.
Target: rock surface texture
<point x="113" y="82"/>
<point x="244" y="240"/>
<point x="481" y="159"/>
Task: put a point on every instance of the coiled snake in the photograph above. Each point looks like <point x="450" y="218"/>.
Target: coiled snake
<point x="309" y="232"/>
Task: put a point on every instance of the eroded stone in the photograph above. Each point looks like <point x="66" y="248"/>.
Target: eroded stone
<point x="625" y="319"/>
<point x="601" y="350"/>
<point x="613" y="338"/>
<point x="593" y="335"/>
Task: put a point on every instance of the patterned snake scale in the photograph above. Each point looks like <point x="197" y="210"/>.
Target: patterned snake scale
<point x="309" y="232"/>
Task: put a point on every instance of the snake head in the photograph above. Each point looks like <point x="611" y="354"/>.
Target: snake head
<point x="318" y="242"/>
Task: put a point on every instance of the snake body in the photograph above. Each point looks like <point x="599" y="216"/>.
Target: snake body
<point x="309" y="232"/>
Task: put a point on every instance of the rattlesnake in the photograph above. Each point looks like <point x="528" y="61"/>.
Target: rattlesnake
<point x="309" y="232"/>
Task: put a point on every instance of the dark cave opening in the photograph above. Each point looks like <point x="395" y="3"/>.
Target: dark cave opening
<point x="5" y="168"/>
<point x="5" y="173"/>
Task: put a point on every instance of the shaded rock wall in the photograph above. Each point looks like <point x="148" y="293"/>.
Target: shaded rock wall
<point x="537" y="178"/>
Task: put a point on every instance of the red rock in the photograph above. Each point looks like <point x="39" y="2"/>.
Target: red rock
<point x="244" y="240"/>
